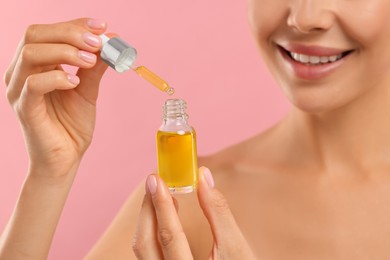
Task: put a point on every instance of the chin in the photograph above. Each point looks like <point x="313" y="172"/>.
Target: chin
<point x="313" y="107"/>
<point x="316" y="101"/>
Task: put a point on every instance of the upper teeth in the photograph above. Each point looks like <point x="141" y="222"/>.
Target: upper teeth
<point x="314" y="59"/>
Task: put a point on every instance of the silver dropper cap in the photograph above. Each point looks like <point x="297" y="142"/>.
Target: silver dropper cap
<point x="118" y="54"/>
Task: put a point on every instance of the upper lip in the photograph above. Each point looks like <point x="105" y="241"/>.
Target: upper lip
<point x="312" y="50"/>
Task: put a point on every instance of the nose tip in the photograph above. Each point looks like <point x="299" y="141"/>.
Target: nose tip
<point x="308" y="16"/>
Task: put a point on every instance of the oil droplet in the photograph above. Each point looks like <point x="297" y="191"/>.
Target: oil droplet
<point x="170" y="91"/>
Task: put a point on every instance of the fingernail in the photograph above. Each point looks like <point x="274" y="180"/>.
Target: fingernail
<point x="73" y="79"/>
<point x="209" y="177"/>
<point x="151" y="182"/>
<point x="96" y="24"/>
<point x="92" y="39"/>
<point x="87" y="56"/>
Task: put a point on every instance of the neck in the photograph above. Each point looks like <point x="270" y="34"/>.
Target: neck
<point x="354" y="137"/>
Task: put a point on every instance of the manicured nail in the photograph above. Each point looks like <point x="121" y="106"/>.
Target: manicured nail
<point x="209" y="177"/>
<point x="87" y="56"/>
<point x="152" y="184"/>
<point x="92" y="39"/>
<point x="96" y="24"/>
<point x="73" y="79"/>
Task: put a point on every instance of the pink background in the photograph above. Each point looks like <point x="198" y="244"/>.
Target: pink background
<point x="202" y="48"/>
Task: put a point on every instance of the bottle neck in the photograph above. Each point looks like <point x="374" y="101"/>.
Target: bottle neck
<point x="175" y="109"/>
<point x="174" y="113"/>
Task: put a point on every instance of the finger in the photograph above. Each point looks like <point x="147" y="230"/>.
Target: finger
<point x="81" y="33"/>
<point x="145" y="244"/>
<point x="37" y="85"/>
<point x="49" y="54"/>
<point x="90" y="81"/>
<point x="176" y="203"/>
<point x="170" y="234"/>
<point x="215" y="208"/>
<point x="35" y="58"/>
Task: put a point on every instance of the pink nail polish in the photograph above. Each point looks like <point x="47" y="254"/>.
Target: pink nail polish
<point x="92" y="39"/>
<point x="96" y="24"/>
<point x="73" y="79"/>
<point x="152" y="184"/>
<point x="209" y="177"/>
<point x="87" y="56"/>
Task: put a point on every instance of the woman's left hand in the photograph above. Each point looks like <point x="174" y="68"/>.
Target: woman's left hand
<point x="160" y="234"/>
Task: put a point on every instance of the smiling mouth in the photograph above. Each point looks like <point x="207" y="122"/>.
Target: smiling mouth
<point x="312" y="59"/>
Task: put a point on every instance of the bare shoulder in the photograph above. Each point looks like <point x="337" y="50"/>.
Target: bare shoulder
<point x="256" y="155"/>
<point x="238" y="171"/>
<point x="116" y="242"/>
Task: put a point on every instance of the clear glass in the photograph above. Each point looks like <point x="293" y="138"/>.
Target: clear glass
<point x="153" y="79"/>
<point x="117" y="53"/>
<point x="121" y="56"/>
<point x="176" y="149"/>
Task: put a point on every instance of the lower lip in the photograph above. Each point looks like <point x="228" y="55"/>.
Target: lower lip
<point x="312" y="72"/>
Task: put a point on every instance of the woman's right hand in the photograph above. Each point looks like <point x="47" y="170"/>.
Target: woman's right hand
<point x="56" y="110"/>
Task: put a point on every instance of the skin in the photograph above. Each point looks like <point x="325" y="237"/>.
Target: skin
<point x="57" y="120"/>
<point x="57" y="115"/>
<point x="314" y="186"/>
<point x="160" y="235"/>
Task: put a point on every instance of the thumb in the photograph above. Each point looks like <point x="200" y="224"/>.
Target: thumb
<point x="90" y="80"/>
<point x="216" y="209"/>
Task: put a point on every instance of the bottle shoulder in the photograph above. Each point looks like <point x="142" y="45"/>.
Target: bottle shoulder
<point x="176" y="128"/>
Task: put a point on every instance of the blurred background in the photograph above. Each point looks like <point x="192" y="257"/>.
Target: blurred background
<point x="204" y="49"/>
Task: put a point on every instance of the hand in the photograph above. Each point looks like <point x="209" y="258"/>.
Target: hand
<point x="160" y="235"/>
<point x="56" y="110"/>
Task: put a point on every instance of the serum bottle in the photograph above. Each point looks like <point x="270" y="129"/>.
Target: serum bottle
<point x="176" y="149"/>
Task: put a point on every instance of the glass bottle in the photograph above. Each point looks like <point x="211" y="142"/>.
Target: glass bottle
<point x="176" y="149"/>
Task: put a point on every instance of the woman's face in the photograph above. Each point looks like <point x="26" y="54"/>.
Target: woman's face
<point x="324" y="53"/>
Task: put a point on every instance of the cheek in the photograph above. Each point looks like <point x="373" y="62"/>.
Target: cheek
<point x="368" y="23"/>
<point x="265" y="16"/>
<point x="371" y="30"/>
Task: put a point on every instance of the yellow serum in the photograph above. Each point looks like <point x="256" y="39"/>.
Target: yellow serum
<point x="153" y="79"/>
<point x="177" y="160"/>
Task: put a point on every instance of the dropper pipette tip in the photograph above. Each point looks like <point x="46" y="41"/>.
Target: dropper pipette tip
<point x="170" y="91"/>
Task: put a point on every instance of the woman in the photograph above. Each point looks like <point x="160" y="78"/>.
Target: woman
<point x="312" y="187"/>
